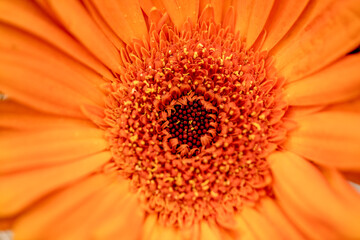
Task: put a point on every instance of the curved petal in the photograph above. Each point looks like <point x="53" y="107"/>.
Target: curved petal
<point x="71" y="224"/>
<point x="16" y="116"/>
<point x="281" y="222"/>
<point x="128" y="13"/>
<point x="302" y="187"/>
<point x="25" y="150"/>
<point x="57" y="71"/>
<point x="77" y="21"/>
<point x="336" y="83"/>
<point x="150" y="222"/>
<point x="34" y="222"/>
<point x="329" y="139"/>
<point x="34" y="184"/>
<point x="14" y="40"/>
<point x="105" y="28"/>
<point x="349" y="106"/>
<point x="40" y="88"/>
<point x="125" y="220"/>
<point x="283" y="15"/>
<point x="259" y="225"/>
<point x="180" y="10"/>
<point x="209" y="232"/>
<point x="251" y="16"/>
<point x="244" y="231"/>
<point x="163" y="233"/>
<point x="332" y="34"/>
<point x="147" y="5"/>
<point x="342" y="187"/>
<point x="28" y="17"/>
<point x="218" y="6"/>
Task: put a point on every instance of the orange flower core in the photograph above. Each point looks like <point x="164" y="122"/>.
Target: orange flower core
<point x="190" y="120"/>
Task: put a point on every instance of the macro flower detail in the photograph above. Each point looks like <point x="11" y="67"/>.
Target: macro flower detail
<point x="204" y="119"/>
<point x="193" y="116"/>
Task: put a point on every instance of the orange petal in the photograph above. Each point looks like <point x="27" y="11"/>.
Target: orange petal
<point x="149" y="226"/>
<point x="33" y="223"/>
<point x="16" y="116"/>
<point x="302" y="186"/>
<point x="300" y="111"/>
<point x="23" y="150"/>
<point x="209" y="232"/>
<point x="77" y="21"/>
<point x="180" y="10"/>
<point x="147" y="5"/>
<point x="259" y="225"/>
<point x="349" y="106"/>
<point x="218" y="8"/>
<point x="328" y="138"/>
<point x="312" y="10"/>
<point x="14" y="40"/>
<point x="31" y="85"/>
<point x="125" y="220"/>
<point x="251" y="16"/>
<point x="58" y="71"/>
<point x="18" y="190"/>
<point x="270" y="209"/>
<point x="71" y="224"/>
<point x="244" y="231"/>
<point x="332" y="34"/>
<point x="283" y="15"/>
<point x="105" y="28"/>
<point x="336" y="83"/>
<point x="163" y="233"/>
<point x="128" y="13"/>
<point x="342" y="187"/>
<point x="28" y="17"/>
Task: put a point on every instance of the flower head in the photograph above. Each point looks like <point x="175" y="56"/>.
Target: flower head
<point x="179" y="119"/>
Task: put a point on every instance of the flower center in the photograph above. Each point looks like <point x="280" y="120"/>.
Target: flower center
<point x="188" y="125"/>
<point x="190" y="122"/>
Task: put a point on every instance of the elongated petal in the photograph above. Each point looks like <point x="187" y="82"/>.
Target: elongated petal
<point x="33" y="223"/>
<point x="16" y="116"/>
<point x="209" y="232"/>
<point x="332" y="34"/>
<point x="77" y="21"/>
<point x="33" y="86"/>
<point x="28" y="17"/>
<point x="57" y="71"/>
<point x="244" y="230"/>
<point x="336" y="83"/>
<point x="22" y="150"/>
<point x="298" y="183"/>
<point x="329" y="139"/>
<point x="180" y="10"/>
<point x="342" y="187"/>
<point x="283" y="15"/>
<point x="147" y="5"/>
<point x="14" y="40"/>
<point x="281" y="222"/>
<point x="352" y="106"/>
<point x="39" y="182"/>
<point x="163" y="233"/>
<point x="125" y="219"/>
<point x="251" y="16"/>
<point x="128" y="13"/>
<point x="104" y="27"/>
<point x="259" y="225"/>
<point x="218" y="6"/>
<point x="71" y="224"/>
<point x="149" y="226"/>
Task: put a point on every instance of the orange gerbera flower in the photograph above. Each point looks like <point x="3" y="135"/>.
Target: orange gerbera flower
<point x="179" y="119"/>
